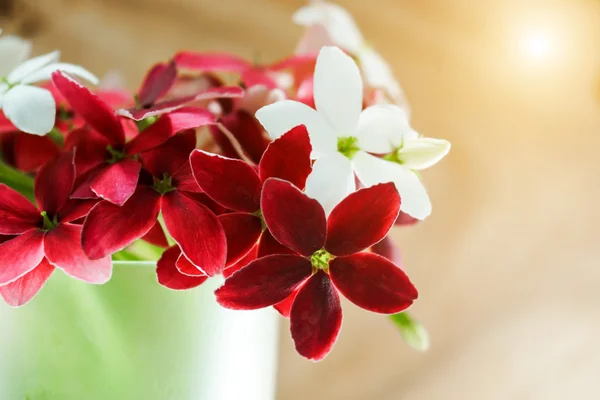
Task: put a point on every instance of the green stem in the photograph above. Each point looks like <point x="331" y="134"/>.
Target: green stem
<point x="19" y="181"/>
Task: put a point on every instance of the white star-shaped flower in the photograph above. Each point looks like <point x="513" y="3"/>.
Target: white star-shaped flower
<point x="345" y="138"/>
<point x="30" y="108"/>
<point x="330" y="24"/>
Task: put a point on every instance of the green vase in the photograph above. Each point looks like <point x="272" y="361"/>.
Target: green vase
<point x="133" y="339"/>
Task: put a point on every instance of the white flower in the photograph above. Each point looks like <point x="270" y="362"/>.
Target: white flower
<point x="343" y="136"/>
<point x="329" y="24"/>
<point x="31" y="109"/>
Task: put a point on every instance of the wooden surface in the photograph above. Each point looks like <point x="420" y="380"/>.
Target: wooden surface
<point x="508" y="265"/>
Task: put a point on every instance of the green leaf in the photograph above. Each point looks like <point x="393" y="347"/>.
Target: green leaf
<point x="19" y="181"/>
<point x="413" y="333"/>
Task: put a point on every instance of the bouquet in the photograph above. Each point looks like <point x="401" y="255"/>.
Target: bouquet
<point x="285" y="178"/>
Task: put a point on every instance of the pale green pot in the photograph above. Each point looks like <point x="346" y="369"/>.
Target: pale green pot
<point x="132" y="339"/>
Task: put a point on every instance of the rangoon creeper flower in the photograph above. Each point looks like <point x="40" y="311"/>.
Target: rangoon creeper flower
<point x="330" y="24"/>
<point x="31" y="109"/>
<point x="343" y="136"/>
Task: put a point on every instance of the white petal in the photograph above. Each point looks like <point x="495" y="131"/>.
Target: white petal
<point x="336" y="20"/>
<point x="31" y="109"/>
<point x="280" y="117"/>
<point x="31" y="66"/>
<point x="372" y="170"/>
<point x="331" y="180"/>
<point x="338" y="90"/>
<point x="382" y="128"/>
<point x="315" y="37"/>
<point x="13" y="51"/>
<point x="45" y="73"/>
<point x="423" y="153"/>
<point x="3" y="89"/>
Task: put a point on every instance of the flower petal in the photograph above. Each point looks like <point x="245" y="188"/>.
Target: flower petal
<point x="54" y="183"/>
<point x="338" y="89"/>
<point x="372" y="170"/>
<point x="32" y="151"/>
<point x="248" y="132"/>
<point x="362" y="219"/>
<point x="331" y="180"/>
<point x="117" y="182"/>
<point x="316" y="317"/>
<point x="288" y="158"/>
<point x="91" y="149"/>
<point x="13" y="51"/>
<point x="62" y="246"/>
<point x="186" y="267"/>
<point x="20" y="255"/>
<point x="169" y="276"/>
<point x="278" y="118"/>
<point x="386" y="248"/>
<point x="167" y="126"/>
<point x="423" y="152"/>
<point x="17" y="214"/>
<point x="24" y="289"/>
<point x="157" y="83"/>
<point x="268" y="246"/>
<point x="242" y="231"/>
<point x="285" y="307"/>
<point x="197" y="231"/>
<point x="373" y="282"/>
<point x="294" y="219"/>
<point x="44" y="74"/>
<point x="382" y="128"/>
<point x="264" y="282"/>
<point x="91" y="108"/>
<point x="211" y="62"/>
<point x="109" y="228"/>
<point x="231" y="183"/>
<point x="32" y="65"/>
<point x="247" y="259"/>
<point x="156" y="236"/>
<point x="31" y="109"/>
<point x="170" y="157"/>
<point x="75" y="209"/>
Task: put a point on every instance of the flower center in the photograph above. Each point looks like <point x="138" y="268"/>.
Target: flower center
<point x="164" y="185"/>
<point x="115" y="155"/>
<point x="320" y="259"/>
<point x="347" y="146"/>
<point x="49" y="224"/>
<point x="259" y="214"/>
<point x="5" y="81"/>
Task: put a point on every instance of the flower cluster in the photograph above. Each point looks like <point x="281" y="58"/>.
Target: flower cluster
<point x="287" y="183"/>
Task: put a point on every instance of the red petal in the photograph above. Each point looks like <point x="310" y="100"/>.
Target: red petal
<point x="20" y="255"/>
<point x="372" y="282"/>
<point x="17" y="214"/>
<point x="264" y="282"/>
<point x="54" y="183"/>
<point x="294" y="219"/>
<point x="259" y="76"/>
<point x="197" y="231"/>
<point x="170" y="156"/>
<point x="242" y="231"/>
<point x="268" y="245"/>
<point x="91" y="149"/>
<point x="156" y="236"/>
<point x="91" y="108"/>
<point x="247" y="259"/>
<point x="32" y="151"/>
<point x="62" y="246"/>
<point x="231" y="183"/>
<point x="248" y="132"/>
<point x="316" y="317"/>
<point x="170" y="277"/>
<point x="186" y="267"/>
<point x="24" y="289"/>
<point x="288" y="158"/>
<point x="82" y="187"/>
<point x="109" y="228"/>
<point x="169" y="106"/>
<point x="211" y="62"/>
<point x="157" y="83"/>
<point x="405" y="219"/>
<point x="184" y="180"/>
<point x="117" y="182"/>
<point x="285" y="307"/>
<point x="75" y="209"/>
<point x="167" y="126"/>
<point x="387" y="249"/>
<point x="362" y="219"/>
<point x="305" y="93"/>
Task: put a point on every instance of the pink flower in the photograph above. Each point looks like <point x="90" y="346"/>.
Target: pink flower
<point x="44" y="238"/>
<point x="327" y="258"/>
<point x="166" y="186"/>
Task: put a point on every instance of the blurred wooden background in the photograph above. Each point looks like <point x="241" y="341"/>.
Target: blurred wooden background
<point x="508" y="265"/>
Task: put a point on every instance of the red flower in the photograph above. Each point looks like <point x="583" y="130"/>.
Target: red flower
<point x="44" y="238"/>
<point x="159" y="80"/>
<point x="168" y="187"/>
<point x="236" y="186"/>
<point x="107" y="165"/>
<point x="328" y="258"/>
